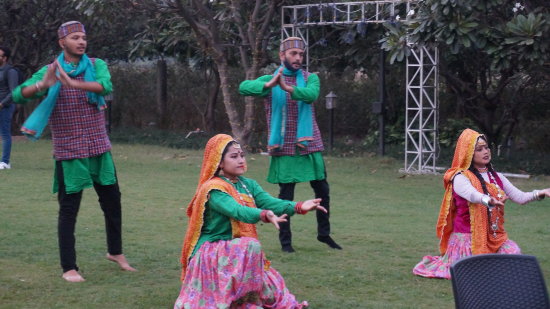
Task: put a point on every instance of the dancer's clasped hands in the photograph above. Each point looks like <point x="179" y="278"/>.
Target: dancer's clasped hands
<point x="63" y="77"/>
<point x="274" y="81"/>
<point x="278" y="80"/>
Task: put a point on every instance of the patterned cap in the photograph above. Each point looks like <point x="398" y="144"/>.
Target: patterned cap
<point x="292" y="42"/>
<point x="70" y="27"/>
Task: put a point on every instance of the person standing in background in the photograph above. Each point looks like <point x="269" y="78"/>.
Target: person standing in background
<point x="9" y="79"/>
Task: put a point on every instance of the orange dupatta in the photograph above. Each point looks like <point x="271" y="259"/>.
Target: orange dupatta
<point x="208" y="182"/>
<point x="482" y="240"/>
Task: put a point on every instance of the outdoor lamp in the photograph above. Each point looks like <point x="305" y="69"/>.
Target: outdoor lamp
<point x="330" y="99"/>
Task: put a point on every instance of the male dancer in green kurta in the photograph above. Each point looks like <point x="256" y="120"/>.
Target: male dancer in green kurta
<point x="294" y="143"/>
<point x="73" y="87"/>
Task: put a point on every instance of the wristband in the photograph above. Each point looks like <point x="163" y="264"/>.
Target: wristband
<point x="263" y="216"/>
<point x="536" y="195"/>
<point x="298" y="209"/>
<point x="485" y="200"/>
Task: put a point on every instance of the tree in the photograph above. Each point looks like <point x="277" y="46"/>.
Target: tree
<point x="166" y="34"/>
<point x="222" y="25"/>
<point x="490" y="51"/>
<point x="227" y="32"/>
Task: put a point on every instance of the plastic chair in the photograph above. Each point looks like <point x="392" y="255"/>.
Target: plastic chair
<point x="502" y="281"/>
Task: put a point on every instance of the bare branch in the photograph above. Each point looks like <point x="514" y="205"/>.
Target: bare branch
<point x="190" y="19"/>
<point x="239" y="23"/>
<point x="273" y="5"/>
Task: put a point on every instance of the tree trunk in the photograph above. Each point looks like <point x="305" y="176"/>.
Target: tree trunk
<point x="235" y="122"/>
<point x="250" y="104"/>
<point x="213" y="91"/>
<point x="488" y="122"/>
<point x="211" y="34"/>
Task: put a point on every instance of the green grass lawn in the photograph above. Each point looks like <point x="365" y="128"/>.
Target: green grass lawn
<point x="384" y="221"/>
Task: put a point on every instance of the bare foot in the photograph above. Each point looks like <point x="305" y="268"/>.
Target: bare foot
<point x="120" y="259"/>
<point x="72" y="276"/>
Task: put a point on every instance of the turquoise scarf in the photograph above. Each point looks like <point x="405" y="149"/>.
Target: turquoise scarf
<point x="304" y="132"/>
<point x="37" y="121"/>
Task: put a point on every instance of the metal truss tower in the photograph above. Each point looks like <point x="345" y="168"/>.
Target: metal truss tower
<point x="421" y="141"/>
<point x="422" y="103"/>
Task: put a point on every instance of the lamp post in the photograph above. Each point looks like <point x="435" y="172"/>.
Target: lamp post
<point x="330" y="101"/>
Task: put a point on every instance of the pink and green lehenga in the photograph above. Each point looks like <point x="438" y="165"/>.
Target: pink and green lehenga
<point x="228" y="273"/>
<point x="460" y="246"/>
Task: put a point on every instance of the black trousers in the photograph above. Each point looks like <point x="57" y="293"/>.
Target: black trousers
<point x="321" y="189"/>
<point x="69" y="204"/>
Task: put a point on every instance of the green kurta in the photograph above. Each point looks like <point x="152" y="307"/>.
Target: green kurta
<point x="78" y="174"/>
<point x="222" y="206"/>
<point x="308" y="94"/>
<point x="297" y="168"/>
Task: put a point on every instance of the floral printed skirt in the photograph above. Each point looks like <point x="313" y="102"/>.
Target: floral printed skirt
<point x="460" y="246"/>
<point x="232" y="274"/>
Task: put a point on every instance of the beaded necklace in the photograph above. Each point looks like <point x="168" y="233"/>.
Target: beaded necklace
<point x="238" y="193"/>
<point x="500" y="192"/>
<point x="483" y="170"/>
<point x="494" y="225"/>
